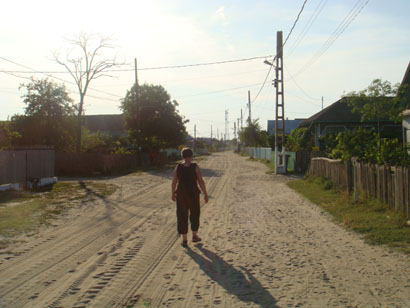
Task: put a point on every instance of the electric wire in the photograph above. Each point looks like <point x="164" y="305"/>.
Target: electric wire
<point x="149" y="68"/>
<point x="33" y="71"/>
<point x="283" y="45"/>
<point x="349" y="18"/>
<point x="68" y="90"/>
<point x="297" y="84"/>
<point x="309" y="24"/>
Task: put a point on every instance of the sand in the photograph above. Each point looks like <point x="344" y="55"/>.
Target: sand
<point x="263" y="246"/>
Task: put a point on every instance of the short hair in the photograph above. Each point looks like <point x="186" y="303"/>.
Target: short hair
<point x="187" y="152"/>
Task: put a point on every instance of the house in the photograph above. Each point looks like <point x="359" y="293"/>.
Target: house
<point x="107" y="124"/>
<point x="406" y="128"/>
<point x="339" y="117"/>
<point x="406" y="113"/>
<point x="289" y="125"/>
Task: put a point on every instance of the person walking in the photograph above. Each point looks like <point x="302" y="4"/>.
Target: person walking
<point x="187" y="175"/>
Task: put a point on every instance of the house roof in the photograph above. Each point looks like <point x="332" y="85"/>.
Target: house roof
<point x="406" y="77"/>
<point x="105" y="122"/>
<point x="289" y="125"/>
<point x="338" y="112"/>
<point x="406" y="80"/>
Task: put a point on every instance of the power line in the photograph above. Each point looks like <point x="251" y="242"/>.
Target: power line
<point x="309" y="24"/>
<point x="219" y="91"/>
<point x="283" y="45"/>
<point x="294" y="24"/>
<point x="297" y="84"/>
<point x="146" y="68"/>
<point x="69" y="91"/>
<point x="349" y="18"/>
<point x="33" y="71"/>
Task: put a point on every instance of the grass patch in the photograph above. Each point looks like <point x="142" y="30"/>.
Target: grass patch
<point x="25" y="211"/>
<point x="267" y="163"/>
<point x="378" y="224"/>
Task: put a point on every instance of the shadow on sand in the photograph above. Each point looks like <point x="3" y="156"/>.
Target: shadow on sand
<point x="242" y="284"/>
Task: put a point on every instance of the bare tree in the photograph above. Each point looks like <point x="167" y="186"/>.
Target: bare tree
<point x="85" y="63"/>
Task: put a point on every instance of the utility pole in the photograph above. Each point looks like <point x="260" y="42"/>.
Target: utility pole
<point x="241" y="120"/>
<point x="234" y="129"/>
<point x="226" y="126"/>
<point x="280" y="158"/>
<point x="249" y="105"/>
<point x="194" y="138"/>
<point x="139" y="112"/>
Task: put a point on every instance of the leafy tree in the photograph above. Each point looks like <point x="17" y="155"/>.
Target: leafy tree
<point x="7" y="136"/>
<point x="363" y="144"/>
<point x="84" y="63"/>
<point x="380" y="101"/>
<point x="47" y="118"/>
<point x="153" y="119"/>
<point x="300" y="139"/>
<point x="253" y="136"/>
<point x="360" y="143"/>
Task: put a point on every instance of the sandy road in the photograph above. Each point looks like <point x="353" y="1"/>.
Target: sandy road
<point x="263" y="246"/>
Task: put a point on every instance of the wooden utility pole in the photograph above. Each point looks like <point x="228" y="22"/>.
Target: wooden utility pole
<point x="194" y="138"/>
<point x="249" y="105"/>
<point x="280" y="158"/>
<point x="137" y="103"/>
<point x="241" y="120"/>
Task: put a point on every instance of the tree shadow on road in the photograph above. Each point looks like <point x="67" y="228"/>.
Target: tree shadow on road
<point x="243" y="285"/>
<point x="107" y="203"/>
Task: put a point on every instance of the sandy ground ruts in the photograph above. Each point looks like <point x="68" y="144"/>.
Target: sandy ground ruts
<point x="263" y="246"/>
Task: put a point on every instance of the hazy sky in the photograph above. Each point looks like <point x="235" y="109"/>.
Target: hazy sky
<point x="337" y="46"/>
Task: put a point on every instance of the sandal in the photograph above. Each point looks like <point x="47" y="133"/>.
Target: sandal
<point x="184" y="243"/>
<point x="196" y="238"/>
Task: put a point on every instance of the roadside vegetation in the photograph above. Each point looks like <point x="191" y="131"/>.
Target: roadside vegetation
<point x="267" y="163"/>
<point x="378" y="224"/>
<point x="25" y="211"/>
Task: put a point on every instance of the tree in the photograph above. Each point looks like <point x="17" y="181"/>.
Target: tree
<point x="153" y="121"/>
<point x="300" y="139"/>
<point x="378" y="101"/>
<point x="48" y="115"/>
<point x="85" y="63"/>
<point x="253" y="136"/>
<point x="7" y="136"/>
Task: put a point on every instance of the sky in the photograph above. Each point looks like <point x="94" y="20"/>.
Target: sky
<point x="336" y="46"/>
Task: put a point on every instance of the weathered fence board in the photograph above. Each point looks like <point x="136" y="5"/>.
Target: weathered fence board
<point x="388" y="184"/>
<point x="17" y="166"/>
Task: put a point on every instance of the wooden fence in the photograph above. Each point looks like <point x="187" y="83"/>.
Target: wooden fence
<point x="20" y="164"/>
<point x="89" y="164"/>
<point x="389" y="184"/>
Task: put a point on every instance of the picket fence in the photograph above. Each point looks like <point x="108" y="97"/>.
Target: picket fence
<point x="390" y="184"/>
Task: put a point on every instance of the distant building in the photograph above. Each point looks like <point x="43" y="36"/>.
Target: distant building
<point x="289" y="125"/>
<point x="108" y="124"/>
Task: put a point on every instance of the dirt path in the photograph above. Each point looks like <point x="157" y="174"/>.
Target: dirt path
<point x="263" y="246"/>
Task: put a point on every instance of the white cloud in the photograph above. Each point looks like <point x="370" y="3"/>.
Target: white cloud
<point x="220" y="16"/>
